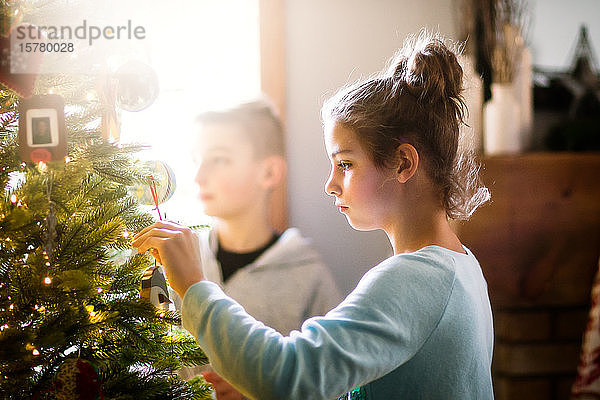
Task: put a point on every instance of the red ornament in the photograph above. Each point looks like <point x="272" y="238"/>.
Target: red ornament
<point x="76" y="379"/>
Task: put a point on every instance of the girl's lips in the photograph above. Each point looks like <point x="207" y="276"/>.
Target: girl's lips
<point x="343" y="208"/>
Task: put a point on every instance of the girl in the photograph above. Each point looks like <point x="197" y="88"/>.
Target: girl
<point x="418" y="325"/>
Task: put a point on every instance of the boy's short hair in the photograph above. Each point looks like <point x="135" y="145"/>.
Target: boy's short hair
<point x="258" y="120"/>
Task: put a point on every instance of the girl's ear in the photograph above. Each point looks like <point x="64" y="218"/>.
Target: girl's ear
<point x="274" y="169"/>
<point x="407" y="162"/>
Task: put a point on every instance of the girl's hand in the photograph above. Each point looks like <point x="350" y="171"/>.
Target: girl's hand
<point x="223" y="390"/>
<point x="175" y="247"/>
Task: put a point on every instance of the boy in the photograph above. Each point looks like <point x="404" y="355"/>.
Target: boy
<point x="278" y="278"/>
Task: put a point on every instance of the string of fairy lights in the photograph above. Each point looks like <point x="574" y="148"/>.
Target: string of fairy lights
<point x="95" y="316"/>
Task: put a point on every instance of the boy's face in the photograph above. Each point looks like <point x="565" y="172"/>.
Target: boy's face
<point x="228" y="174"/>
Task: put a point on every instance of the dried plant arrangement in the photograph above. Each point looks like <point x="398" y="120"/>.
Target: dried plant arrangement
<point x="508" y="29"/>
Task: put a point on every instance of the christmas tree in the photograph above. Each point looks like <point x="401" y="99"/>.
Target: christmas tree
<point x="72" y="323"/>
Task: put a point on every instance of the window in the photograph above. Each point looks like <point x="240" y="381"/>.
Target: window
<point x="206" y="55"/>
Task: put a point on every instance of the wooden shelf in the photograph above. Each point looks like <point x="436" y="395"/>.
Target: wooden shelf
<point x="538" y="240"/>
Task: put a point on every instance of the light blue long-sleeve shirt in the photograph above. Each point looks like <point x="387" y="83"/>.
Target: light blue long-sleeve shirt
<point x="417" y="326"/>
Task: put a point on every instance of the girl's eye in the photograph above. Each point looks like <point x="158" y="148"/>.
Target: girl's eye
<point x="344" y="165"/>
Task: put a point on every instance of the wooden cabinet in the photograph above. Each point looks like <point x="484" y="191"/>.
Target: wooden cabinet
<point x="538" y="242"/>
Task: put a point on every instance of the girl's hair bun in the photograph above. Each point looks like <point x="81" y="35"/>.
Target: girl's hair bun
<point x="416" y="100"/>
<point x="428" y="69"/>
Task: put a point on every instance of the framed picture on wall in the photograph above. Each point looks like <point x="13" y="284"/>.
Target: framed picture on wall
<point x="42" y="134"/>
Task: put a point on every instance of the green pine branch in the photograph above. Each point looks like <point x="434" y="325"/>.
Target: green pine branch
<point x="69" y="285"/>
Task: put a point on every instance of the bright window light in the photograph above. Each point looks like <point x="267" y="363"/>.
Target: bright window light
<point x="206" y="56"/>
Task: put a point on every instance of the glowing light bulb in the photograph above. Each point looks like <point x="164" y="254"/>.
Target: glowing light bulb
<point x="42" y="166"/>
<point x="100" y="290"/>
<point x="11" y="307"/>
<point x="13" y="198"/>
<point x="47" y="280"/>
<point x="67" y="159"/>
<point x="162" y="314"/>
<point x="35" y="352"/>
<point x="90" y="309"/>
<point x="47" y="264"/>
<point x="126" y="234"/>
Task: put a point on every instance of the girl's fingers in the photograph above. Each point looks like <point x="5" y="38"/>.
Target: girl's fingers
<point x="160" y="225"/>
<point x="176" y="248"/>
<point x="146" y="229"/>
<point x="154" y="232"/>
<point x="140" y="243"/>
<point x="150" y="242"/>
<point x="155" y="254"/>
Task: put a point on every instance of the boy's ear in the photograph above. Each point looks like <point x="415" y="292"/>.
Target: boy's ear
<point x="407" y="162"/>
<point x="274" y="169"/>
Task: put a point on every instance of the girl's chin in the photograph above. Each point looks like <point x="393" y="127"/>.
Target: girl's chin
<point x="360" y="226"/>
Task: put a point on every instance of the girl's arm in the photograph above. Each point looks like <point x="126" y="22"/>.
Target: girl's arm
<point x="379" y="326"/>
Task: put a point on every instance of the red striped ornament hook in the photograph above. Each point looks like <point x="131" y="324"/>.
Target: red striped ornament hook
<point x="155" y="196"/>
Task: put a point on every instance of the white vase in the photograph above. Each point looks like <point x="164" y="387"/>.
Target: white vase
<point x="471" y="133"/>
<point x="524" y="92"/>
<point x="502" y="121"/>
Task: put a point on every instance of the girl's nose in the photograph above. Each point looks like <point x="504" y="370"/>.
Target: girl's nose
<point x="331" y="187"/>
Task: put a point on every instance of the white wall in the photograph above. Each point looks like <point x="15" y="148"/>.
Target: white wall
<point x="328" y="43"/>
<point x="554" y="30"/>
